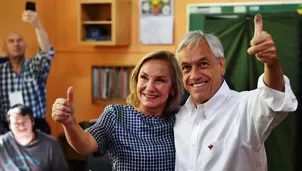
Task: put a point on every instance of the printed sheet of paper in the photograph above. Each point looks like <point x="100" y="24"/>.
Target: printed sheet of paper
<point x="15" y="98"/>
<point x="156" y="21"/>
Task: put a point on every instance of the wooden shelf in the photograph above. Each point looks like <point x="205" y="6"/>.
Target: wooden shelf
<point x="110" y="84"/>
<point x="97" y="43"/>
<point x="96" y="22"/>
<point x="94" y="1"/>
<point x="107" y="22"/>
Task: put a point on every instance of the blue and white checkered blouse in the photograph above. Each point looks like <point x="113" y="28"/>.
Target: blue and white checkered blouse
<point x="31" y="82"/>
<point x="135" y="141"/>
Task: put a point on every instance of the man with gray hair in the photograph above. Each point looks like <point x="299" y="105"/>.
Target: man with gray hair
<point x="220" y="129"/>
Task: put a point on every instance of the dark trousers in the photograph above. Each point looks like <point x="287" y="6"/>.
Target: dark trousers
<point x="40" y="124"/>
<point x="3" y="127"/>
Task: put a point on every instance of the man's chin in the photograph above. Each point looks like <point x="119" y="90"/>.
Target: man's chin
<point x="199" y="100"/>
<point x="17" y="56"/>
<point x="22" y="132"/>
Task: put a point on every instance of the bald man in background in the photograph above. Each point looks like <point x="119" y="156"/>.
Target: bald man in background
<point x="23" y="81"/>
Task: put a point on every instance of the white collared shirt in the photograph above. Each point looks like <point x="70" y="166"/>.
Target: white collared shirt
<point x="227" y="133"/>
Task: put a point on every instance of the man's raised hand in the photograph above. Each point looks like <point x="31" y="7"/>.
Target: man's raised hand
<point x="262" y="44"/>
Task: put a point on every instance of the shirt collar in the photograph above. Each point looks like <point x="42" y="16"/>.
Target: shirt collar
<point x="9" y="65"/>
<point x="213" y="103"/>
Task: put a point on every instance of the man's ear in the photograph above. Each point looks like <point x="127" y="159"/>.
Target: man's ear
<point x="222" y="65"/>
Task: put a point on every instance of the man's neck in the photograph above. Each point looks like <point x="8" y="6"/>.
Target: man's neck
<point x="17" y="64"/>
<point x="26" y="139"/>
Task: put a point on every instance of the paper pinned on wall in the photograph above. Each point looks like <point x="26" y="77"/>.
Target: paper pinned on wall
<point x="156" y="21"/>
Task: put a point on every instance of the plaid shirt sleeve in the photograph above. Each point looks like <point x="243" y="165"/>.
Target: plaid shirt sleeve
<point x="103" y="129"/>
<point x="40" y="64"/>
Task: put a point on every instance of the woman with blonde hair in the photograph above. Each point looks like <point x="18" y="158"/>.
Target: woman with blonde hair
<point x="139" y="135"/>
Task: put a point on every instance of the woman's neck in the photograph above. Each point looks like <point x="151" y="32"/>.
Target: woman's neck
<point x="154" y="112"/>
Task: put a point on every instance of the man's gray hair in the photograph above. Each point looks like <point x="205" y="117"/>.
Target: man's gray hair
<point x="193" y="38"/>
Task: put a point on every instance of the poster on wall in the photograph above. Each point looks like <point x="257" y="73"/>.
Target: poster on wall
<point x="156" y="21"/>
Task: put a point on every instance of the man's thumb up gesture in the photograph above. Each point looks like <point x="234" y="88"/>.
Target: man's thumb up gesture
<point x="262" y="44"/>
<point x="31" y="17"/>
<point x="63" y="109"/>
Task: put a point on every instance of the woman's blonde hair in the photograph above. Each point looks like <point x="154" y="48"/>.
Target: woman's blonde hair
<point x="174" y="99"/>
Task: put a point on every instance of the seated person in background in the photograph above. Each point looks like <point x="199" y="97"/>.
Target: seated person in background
<point x="23" y="148"/>
<point x="24" y="80"/>
<point x="139" y="135"/>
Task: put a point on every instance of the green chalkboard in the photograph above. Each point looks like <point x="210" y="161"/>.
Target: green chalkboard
<point x="197" y="12"/>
